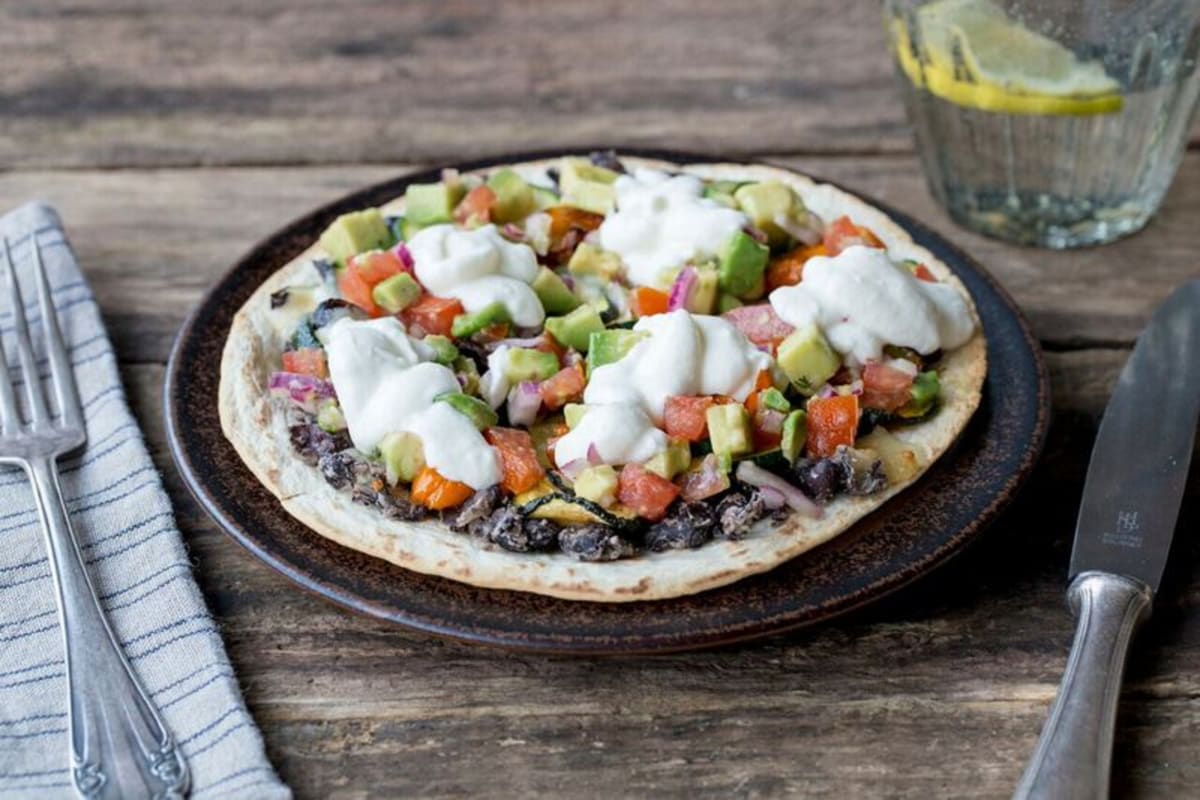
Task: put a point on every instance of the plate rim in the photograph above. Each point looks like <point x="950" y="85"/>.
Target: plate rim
<point x="347" y="598"/>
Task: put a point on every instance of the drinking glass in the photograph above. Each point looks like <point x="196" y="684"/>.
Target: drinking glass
<point x="1048" y="122"/>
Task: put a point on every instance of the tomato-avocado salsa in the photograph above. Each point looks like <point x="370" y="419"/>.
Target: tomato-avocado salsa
<point x="603" y="362"/>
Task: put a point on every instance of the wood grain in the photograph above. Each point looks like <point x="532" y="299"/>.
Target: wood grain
<point x="141" y="83"/>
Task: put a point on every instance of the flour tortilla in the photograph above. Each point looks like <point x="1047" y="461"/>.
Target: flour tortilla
<point x="254" y="422"/>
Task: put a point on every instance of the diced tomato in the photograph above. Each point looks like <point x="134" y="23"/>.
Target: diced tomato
<point x="548" y="344"/>
<point x="760" y="324"/>
<point x="762" y="381"/>
<point x="432" y="314"/>
<point x="832" y="421"/>
<point x="843" y="233"/>
<point x="645" y="302"/>
<point x="562" y="387"/>
<point x="922" y="273"/>
<point x="431" y="490"/>
<point x="476" y="207"/>
<point x="306" y="361"/>
<point x="885" y="387"/>
<point x="646" y="493"/>
<point x="518" y="458"/>
<point x="788" y="269"/>
<point x="705" y="481"/>
<point x="768" y="428"/>
<point x="357" y="291"/>
<point x="564" y="218"/>
<point x="495" y="332"/>
<point x="683" y="417"/>
<point x="376" y="265"/>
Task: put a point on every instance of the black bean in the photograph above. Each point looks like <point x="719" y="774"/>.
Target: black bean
<point x="687" y="525"/>
<point x="820" y="479"/>
<point x="593" y="543"/>
<point x="542" y="533"/>
<point x="331" y="310"/>
<point x="338" y="469"/>
<point x="325" y="269"/>
<point x="478" y="506"/>
<point x="606" y="159"/>
<point x="739" y="510"/>
<point x="311" y="441"/>
<point x="279" y="298"/>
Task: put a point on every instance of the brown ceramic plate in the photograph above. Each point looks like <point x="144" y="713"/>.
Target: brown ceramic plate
<point x="913" y="533"/>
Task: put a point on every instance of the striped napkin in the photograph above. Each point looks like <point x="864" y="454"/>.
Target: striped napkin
<point x="137" y="561"/>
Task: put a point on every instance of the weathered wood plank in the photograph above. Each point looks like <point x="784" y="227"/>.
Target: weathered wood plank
<point x="940" y="691"/>
<point x="137" y="83"/>
<point x="150" y="268"/>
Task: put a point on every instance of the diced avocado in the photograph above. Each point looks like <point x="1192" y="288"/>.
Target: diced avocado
<point x="480" y="413"/>
<point x="354" y="233"/>
<point x="469" y="324"/>
<point x="330" y="417"/>
<point x="431" y="203"/>
<point x="773" y="399"/>
<point x="403" y="456"/>
<point x="572" y="413"/>
<point x="795" y="434"/>
<point x="514" y="197"/>
<point x="524" y="364"/>
<point x="591" y="260"/>
<point x="544" y="198"/>
<point x="587" y="186"/>
<point x="757" y="290"/>
<point x="553" y="292"/>
<point x="575" y="328"/>
<point x="542" y="432"/>
<point x="807" y="359"/>
<point x="764" y="202"/>
<point x="468" y="373"/>
<point x="741" y="263"/>
<point x="598" y="484"/>
<point x="722" y="192"/>
<point x="396" y="293"/>
<point x="672" y="461"/>
<point x="444" y="351"/>
<point x="729" y="430"/>
<point x="726" y="302"/>
<point x="607" y="346"/>
<point x="925" y="389"/>
<point x="408" y="228"/>
<point x="704" y="296"/>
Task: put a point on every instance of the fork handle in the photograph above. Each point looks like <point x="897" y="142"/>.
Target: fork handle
<point x="119" y="744"/>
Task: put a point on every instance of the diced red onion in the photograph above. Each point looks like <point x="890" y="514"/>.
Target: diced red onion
<point x="682" y="288"/>
<point x="827" y="391"/>
<point x="770" y="420"/>
<point x="800" y="232"/>
<point x="856" y="387"/>
<point x="593" y="455"/>
<point x="772" y="497"/>
<point x="704" y="482"/>
<point x="751" y="473"/>
<point x="524" y="402"/>
<point x="755" y="234"/>
<point x="401" y="252"/>
<point x="573" y="469"/>
<point x="303" y="390"/>
<point x="569" y="281"/>
<point x="529" y="341"/>
<point x="513" y="232"/>
<point x="593" y="237"/>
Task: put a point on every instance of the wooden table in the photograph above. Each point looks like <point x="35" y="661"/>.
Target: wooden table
<point x="234" y="117"/>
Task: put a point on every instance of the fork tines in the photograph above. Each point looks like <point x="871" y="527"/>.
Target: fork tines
<point x="61" y="374"/>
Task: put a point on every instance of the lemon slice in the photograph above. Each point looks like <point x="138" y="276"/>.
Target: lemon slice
<point x="974" y="55"/>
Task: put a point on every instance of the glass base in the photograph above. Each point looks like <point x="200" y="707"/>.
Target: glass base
<point x="1046" y="221"/>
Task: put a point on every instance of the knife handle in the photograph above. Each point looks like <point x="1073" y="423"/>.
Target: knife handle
<point x="1074" y="753"/>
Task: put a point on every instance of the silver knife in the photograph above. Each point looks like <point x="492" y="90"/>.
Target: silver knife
<point x="1131" y="499"/>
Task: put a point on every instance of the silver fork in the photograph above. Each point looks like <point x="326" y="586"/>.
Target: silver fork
<point x="120" y="747"/>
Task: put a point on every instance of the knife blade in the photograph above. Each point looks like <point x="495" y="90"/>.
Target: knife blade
<point x="1139" y="464"/>
<point x="1127" y="516"/>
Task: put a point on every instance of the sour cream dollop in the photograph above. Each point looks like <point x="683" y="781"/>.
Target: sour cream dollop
<point x="384" y="386"/>
<point x="662" y="222"/>
<point x="862" y="300"/>
<point x="478" y="267"/>
<point x="682" y="354"/>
